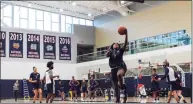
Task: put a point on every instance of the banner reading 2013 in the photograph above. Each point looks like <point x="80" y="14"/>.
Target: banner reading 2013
<point x="15" y="45"/>
<point x="3" y="44"/>
<point x="33" y="46"/>
<point x="65" y="48"/>
<point x="49" y="47"/>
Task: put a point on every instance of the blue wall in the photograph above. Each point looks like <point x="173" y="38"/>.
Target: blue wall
<point x="6" y="86"/>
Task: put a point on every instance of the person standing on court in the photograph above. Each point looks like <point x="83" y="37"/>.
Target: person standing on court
<point x="73" y="87"/>
<point x="171" y="78"/>
<point x="16" y="90"/>
<point x="117" y="65"/>
<point x="50" y="83"/>
<point x="36" y="84"/>
<point x="83" y="90"/>
<point x="155" y="85"/>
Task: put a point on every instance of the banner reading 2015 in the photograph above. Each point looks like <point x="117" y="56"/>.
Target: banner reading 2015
<point x="15" y="45"/>
<point x="33" y="46"/>
<point x="65" y="48"/>
<point x="3" y="44"/>
<point x="49" y="47"/>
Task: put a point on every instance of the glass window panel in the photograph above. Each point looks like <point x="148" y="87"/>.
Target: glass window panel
<point x="7" y="11"/>
<point x="68" y="19"/>
<point x="39" y="15"/>
<point x="39" y="25"/>
<point x="1" y="14"/>
<point x="47" y="21"/>
<point x="16" y="16"/>
<point x="23" y="12"/>
<point x="55" y="27"/>
<point x="75" y="20"/>
<point x="63" y="23"/>
<point x="82" y="21"/>
<point x="55" y="17"/>
<point x="32" y="19"/>
<point x="89" y="23"/>
<point x="7" y="20"/>
<point x="23" y="23"/>
<point x="68" y="28"/>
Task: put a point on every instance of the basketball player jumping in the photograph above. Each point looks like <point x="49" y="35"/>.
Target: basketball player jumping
<point x="118" y="66"/>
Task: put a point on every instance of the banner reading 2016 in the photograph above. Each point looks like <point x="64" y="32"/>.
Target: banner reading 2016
<point x="3" y="44"/>
<point x="15" y="45"/>
<point x="33" y="46"/>
<point x="49" y="47"/>
<point x="65" y="48"/>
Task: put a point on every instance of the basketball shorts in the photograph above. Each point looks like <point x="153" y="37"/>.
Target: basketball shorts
<point x="51" y="88"/>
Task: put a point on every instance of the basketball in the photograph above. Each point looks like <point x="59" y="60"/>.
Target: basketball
<point x="122" y="30"/>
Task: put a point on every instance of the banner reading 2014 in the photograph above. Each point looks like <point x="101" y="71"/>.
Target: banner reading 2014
<point x="3" y="44"/>
<point x="15" y="45"/>
<point x="49" y="47"/>
<point x="33" y="46"/>
<point x="65" y="48"/>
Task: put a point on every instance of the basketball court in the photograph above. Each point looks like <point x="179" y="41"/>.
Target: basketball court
<point x="67" y="51"/>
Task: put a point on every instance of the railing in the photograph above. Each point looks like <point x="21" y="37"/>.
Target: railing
<point x="137" y="48"/>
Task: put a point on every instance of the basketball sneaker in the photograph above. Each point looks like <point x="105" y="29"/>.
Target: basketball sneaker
<point x="122" y="95"/>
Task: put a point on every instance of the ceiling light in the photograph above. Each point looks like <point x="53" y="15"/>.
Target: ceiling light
<point x="29" y="5"/>
<point x="74" y="4"/>
<point x="89" y="14"/>
<point x="61" y="10"/>
<point x="122" y="2"/>
<point x="104" y="9"/>
<point x="124" y="13"/>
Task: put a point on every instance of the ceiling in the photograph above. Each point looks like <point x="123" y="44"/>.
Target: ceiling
<point x="84" y="9"/>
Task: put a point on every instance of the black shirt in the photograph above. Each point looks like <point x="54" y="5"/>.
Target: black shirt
<point x="35" y="76"/>
<point x="116" y="57"/>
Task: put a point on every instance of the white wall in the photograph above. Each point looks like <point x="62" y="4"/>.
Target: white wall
<point x="173" y="55"/>
<point x="19" y="68"/>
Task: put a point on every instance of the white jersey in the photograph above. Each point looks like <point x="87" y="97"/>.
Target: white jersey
<point x="171" y="74"/>
<point x="48" y="74"/>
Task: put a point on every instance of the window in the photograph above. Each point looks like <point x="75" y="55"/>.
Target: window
<point x="75" y="20"/>
<point x="39" y="25"/>
<point x="23" y="23"/>
<point x="47" y="21"/>
<point x="23" y="12"/>
<point x="32" y="22"/>
<point x="16" y="16"/>
<point x="55" y="27"/>
<point x="39" y="15"/>
<point x="7" y="20"/>
<point x="7" y="11"/>
<point x="89" y="23"/>
<point x="55" y="17"/>
<point x="82" y="21"/>
<point x="68" y="28"/>
<point x="63" y="19"/>
<point x="68" y="19"/>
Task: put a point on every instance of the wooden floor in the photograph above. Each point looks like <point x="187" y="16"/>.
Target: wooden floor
<point x="97" y="100"/>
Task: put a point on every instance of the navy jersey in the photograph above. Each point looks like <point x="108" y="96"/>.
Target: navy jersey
<point x="84" y="85"/>
<point x="61" y="85"/>
<point x="73" y="83"/>
<point x="35" y="76"/>
<point x="116" y="57"/>
<point x="93" y="83"/>
<point x="154" y="77"/>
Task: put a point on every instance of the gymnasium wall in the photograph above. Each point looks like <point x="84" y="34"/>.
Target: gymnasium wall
<point x="175" y="55"/>
<point x="19" y="68"/>
<point x="163" y="18"/>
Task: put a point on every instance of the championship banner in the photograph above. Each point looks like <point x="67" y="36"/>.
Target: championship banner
<point x="15" y="45"/>
<point x="64" y="48"/>
<point x="49" y="47"/>
<point x="33" y="46"/>
<point x="3" y="44"/>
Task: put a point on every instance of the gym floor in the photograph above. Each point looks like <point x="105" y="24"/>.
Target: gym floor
<point x="98" y="100"/>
